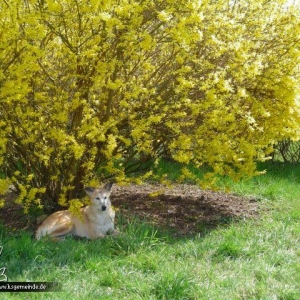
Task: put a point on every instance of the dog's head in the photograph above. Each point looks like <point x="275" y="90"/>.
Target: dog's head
<point x="100" y="197"/>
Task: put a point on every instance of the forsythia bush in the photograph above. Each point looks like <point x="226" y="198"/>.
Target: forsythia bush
<point x="98" y="89"/>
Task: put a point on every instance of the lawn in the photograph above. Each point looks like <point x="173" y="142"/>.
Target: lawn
<point x="256" y="258"/>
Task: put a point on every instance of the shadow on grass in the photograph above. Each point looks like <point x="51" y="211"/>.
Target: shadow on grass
<point x="26" y="259"/>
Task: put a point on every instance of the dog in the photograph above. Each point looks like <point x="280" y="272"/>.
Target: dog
<point x="94" y="221"/>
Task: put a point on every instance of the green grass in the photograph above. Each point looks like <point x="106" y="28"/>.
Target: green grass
<point x="250" y="259"/>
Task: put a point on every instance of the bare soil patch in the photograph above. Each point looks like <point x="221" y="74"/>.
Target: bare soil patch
<point x="185" y="209"/>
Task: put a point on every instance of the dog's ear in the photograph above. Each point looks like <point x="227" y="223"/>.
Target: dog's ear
<point x="89" y="191"/>
<point x="108" y="186"/>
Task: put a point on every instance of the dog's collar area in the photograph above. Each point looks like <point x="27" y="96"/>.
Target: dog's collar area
<point x="94" y="218"/>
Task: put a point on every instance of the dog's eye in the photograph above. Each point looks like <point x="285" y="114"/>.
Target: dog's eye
<point x="97" y="198"/>
<point x="105" y="197"/>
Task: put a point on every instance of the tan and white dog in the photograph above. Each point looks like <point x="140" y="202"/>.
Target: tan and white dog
<point x="95" y="220"/>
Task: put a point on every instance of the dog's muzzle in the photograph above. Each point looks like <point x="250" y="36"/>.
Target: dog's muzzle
<point x="103" y="207"/>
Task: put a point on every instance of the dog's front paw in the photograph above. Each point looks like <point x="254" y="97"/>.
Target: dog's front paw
<point x="115" y="232"/>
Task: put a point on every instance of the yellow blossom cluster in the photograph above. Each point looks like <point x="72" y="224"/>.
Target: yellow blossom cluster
<point x="94" y="90"/>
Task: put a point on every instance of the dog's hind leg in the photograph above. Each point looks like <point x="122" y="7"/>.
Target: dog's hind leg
<point x="61" y="232"/>
<point x="56" y="233"/>
<point x="57" y="225"/>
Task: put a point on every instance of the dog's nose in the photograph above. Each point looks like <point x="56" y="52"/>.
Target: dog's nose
<point x="103" y="207"/>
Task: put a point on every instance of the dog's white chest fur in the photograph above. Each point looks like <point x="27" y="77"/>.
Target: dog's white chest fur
<point x="103" y="223"/>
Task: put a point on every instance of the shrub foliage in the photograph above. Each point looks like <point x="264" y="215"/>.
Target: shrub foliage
<point x="94" y="89"/>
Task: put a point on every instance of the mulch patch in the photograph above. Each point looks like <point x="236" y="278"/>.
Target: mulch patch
<point x="183" y="208"/>
<point x="186" y="209"/>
